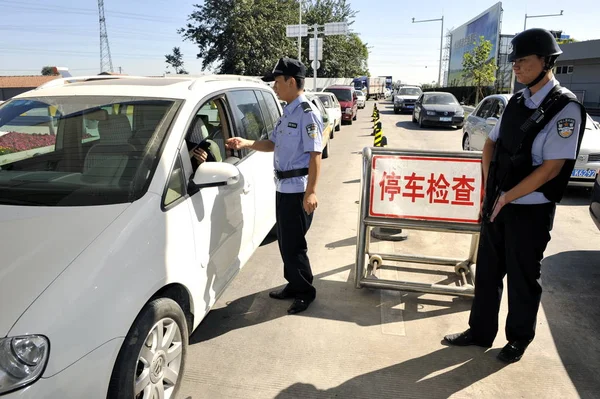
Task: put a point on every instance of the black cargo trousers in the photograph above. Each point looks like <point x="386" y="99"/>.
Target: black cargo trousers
<point x="292" y="225"/>
<point x="513" y="245"/>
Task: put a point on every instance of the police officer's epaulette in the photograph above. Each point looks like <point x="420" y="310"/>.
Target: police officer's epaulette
<point x="306" y="107"/>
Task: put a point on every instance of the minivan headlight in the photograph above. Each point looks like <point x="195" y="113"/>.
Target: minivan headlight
<point x="22" y="360"/>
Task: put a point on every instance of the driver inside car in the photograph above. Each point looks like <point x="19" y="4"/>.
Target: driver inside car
<point x="201" y="148"/>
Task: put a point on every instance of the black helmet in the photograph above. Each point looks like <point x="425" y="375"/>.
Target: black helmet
<point x="534" y="42"/>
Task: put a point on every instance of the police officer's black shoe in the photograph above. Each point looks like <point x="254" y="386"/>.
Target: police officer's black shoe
<point x="281" y="294"/>
<point x="513" y="351"/>
<point x="299" y="305"/>
<point x="464" y="338"/>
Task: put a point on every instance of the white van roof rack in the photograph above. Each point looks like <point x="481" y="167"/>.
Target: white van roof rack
<point x="224" y="77"/>
<point x="75" y="79"/>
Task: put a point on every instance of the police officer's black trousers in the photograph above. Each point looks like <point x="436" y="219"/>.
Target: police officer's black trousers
<point x="292" y="225"/>
<point x="512" y="245"/>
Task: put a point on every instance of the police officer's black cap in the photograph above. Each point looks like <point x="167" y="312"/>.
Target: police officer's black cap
<point x="534" y="42"/>
<point x="286" y="67"/>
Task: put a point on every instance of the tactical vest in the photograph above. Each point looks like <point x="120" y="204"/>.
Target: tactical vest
<point x="519" y="128"/>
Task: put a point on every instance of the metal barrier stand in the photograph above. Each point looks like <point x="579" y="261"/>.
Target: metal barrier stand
<point x="464" y="268"/>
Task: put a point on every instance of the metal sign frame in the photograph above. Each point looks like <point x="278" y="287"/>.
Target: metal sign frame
<point x="465" y="268"/>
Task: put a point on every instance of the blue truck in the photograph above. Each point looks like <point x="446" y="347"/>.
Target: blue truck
<point x="372" y="87"/>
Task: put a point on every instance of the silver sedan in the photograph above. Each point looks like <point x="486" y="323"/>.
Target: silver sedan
<point x="484" y="117"/>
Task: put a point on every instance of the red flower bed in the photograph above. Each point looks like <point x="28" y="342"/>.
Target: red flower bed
<point x="17" y="142"/>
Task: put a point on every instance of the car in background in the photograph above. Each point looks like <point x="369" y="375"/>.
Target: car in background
<point x="480" y="122"/>
<point x="333" y="107"/>
<point x="436" y="108"/>
<point x="485" y="116"/>
<point x="595" y="203"/>
<point x="405" y="98"/>
<point x="327" y="123"/>
<point x="348" y="100"/>
<point x="361" y="99"/>
<point x="114" y="245"/>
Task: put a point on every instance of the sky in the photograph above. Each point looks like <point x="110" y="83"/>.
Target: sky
<point x="35" y="33"/>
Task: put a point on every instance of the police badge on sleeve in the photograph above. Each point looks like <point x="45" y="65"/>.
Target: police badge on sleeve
<point x="565" y="127"/>
<point x="311" y="130"/>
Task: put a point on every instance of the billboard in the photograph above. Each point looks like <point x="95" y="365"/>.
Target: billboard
<point x="486" y="24"/>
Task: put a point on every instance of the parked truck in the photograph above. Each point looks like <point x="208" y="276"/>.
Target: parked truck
<point x="372" y="87"/>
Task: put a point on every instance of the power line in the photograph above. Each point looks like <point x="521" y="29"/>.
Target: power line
<point x="25" y="6"/>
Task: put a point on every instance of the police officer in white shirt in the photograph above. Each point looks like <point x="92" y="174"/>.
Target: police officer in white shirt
<point x="527" y="161"/>
<point x="297" y="142"/>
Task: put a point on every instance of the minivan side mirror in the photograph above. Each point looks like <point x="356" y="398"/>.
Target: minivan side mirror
<point x="213" y="174"/>
<point x="491" y="121"/>
<point x="462" y="103"/>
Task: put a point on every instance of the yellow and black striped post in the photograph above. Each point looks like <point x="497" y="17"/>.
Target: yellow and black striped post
<point x="375" y="114"/>
<point x="375" y="122"/>
<point x="378" y="141"/>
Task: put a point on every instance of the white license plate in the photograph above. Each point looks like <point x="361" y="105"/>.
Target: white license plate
<point x="588" y="173"/>
<point x="445" y="119"/>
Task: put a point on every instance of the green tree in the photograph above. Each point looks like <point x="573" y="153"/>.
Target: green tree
<point x="244" y="37"/>
<point x="48" y="71"/>
<point x="478" y="68"/>
<point x="175" y="60"/>
<point x="344" y="55"/>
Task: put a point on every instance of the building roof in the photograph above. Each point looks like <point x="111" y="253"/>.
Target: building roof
<point x="580" y="50"/>
<point x="9" y="82"/>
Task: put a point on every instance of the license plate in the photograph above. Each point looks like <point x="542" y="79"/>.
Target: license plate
<point x="409" y="106"/>
<point x="588" y="173"/>
<point x="445" y="119"/>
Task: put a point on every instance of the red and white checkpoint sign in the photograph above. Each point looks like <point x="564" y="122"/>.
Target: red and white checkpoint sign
<point x="426" y="188"/>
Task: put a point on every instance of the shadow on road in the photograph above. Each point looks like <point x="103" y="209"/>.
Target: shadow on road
<point x="571" y="282"/>
<point x="439" y="374"/>
<point x="336" y="300"/>
<point x="577" y="196"/>
<point x="409" y="125"/>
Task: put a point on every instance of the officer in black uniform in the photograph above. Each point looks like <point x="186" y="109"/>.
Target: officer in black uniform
<point x="527" y="161"/>
<point x="297" y="142"/>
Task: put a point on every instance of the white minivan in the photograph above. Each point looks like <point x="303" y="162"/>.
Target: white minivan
<point x="115" y="243"/>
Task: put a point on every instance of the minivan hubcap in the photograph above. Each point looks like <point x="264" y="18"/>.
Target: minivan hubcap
<point x="159" y="361"/>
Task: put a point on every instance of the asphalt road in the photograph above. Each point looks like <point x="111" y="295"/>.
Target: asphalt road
<point x="387" y="344"/>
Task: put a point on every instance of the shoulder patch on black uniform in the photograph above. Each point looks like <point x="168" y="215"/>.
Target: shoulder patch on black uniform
<point x="306" y="107"/>
<point x="565" y="127"/>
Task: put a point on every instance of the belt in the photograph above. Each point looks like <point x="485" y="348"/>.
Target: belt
<point x="286" y="174"/>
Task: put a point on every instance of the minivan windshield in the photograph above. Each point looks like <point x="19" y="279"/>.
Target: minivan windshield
<point x="410" y="91"/>
<point x="341" y="94"/>
<point x="80" y="150"/>
<point x="440" y="99"/>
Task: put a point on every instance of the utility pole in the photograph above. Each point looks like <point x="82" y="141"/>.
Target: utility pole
<point x="300" y="37"/>
<point x="540" y="16"/>
<point x="441" y="43"/>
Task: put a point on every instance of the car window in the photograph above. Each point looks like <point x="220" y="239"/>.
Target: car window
<point x="485" y="109"/>
<point x="247" y="115"/>
<point x="341" y="94"/>
<point x="497" y="109"/>
<point x="408" y="91"/>
<point x="269" y="121"/>
<point x="326" y="100"/>
<point x="209" y="125"/>
<point x="81" y="153"/>
<point x="272" y="109"/>
<point x="176" y="187"/>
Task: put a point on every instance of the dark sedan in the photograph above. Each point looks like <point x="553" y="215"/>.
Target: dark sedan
<point x="438" y="109"/>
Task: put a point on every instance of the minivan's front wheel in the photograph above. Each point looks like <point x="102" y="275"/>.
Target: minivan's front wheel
<point x="152" y="359"/>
